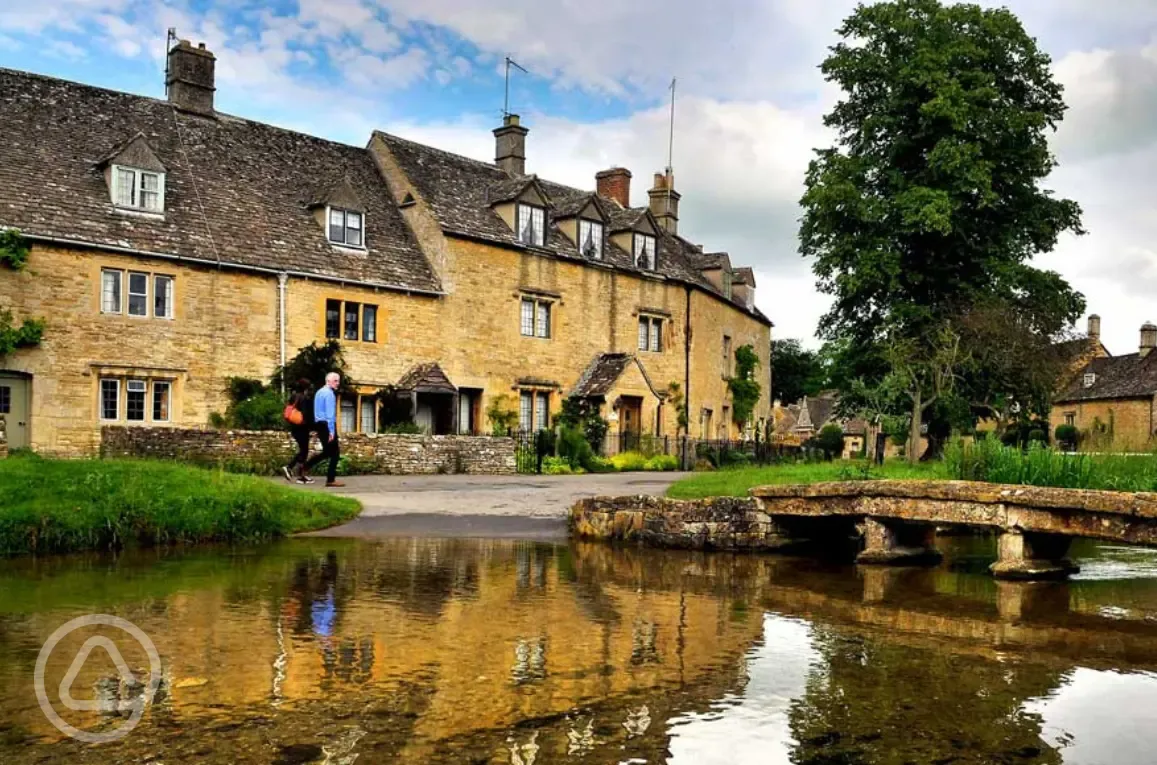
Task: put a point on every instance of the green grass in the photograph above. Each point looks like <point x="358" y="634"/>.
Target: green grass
<point x="737" y="482"/>
<point x="49" y="506"/>
<point x="991" y="461"/>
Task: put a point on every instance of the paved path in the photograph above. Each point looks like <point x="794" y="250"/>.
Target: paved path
<point x="522" y="506"/>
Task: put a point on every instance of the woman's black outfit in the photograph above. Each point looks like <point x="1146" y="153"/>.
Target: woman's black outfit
<point x="303" y="403"/>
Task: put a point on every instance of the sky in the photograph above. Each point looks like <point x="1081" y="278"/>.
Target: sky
<point x="749" y="107"/>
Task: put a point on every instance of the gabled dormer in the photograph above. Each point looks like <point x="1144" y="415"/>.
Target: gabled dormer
<point x="637" y="232"/>
<point x="135" y="176"/>
<point x="583" y="220"/>
<point x="524" y="205"/>
<point x="716" y="268"/>
<point x="342" y="215"/>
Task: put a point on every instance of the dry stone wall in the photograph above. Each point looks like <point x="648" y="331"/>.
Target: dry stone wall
<point x="265" y="450"/>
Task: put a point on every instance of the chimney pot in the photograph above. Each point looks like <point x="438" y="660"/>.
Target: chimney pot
<point x="615" y="184"/>
<point x="1094" y="327"/>
<point x="665" y="202"/>
<point x="190" y="78"/>
<point x="510" y="145"/>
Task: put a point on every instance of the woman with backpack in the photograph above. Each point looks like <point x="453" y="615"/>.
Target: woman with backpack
<point x="299" y="416"/>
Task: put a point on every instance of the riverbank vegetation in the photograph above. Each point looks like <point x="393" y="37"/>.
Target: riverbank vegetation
<point x="73" y="505"/>
<point x="738" y="481"/>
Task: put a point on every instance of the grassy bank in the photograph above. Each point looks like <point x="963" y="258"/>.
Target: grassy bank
<point x="66" y="506"/>
<point x="737" y="482"/>
<point x="988" y="461"/>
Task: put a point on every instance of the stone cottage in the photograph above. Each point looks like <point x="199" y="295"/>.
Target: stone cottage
<point x="174" y="246"/>
<point x="795" y="424"/>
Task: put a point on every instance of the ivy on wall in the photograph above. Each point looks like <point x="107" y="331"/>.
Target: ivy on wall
<point x="14" y="255"/>
<point x="13" y="249"/>
<point x="745" y="389"/>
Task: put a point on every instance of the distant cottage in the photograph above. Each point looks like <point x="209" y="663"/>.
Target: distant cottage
<point x="174" y="246"/>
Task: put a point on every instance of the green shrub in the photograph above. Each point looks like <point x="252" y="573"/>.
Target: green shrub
<point x="1036" y="435"/>
<point x="629" y="461"/>
<point x="574" y="447"/>
<point x="264" y="411"/>
<point x="662" y="463"/>
<point x="601" y="465"/>
<point x="559" y="466"/>
<point x="830" y="441"/>
<point x="1067" y="435"/>
<point x="402" y="428"/>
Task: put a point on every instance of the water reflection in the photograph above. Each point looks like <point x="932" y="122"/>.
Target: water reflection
<point x="493" y="651"/>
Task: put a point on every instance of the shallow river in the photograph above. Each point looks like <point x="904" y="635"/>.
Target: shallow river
<point x="475" y="651"/>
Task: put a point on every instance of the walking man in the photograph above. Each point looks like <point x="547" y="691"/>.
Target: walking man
<point x="325" y="424"/>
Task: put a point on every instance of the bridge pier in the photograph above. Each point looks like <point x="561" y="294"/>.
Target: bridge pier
<point x="1032" y="555"/>
<point x="1023" y="601"/>
<point x="892" y="542"/>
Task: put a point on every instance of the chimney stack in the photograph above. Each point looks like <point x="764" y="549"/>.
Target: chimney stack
<point x="189" y="78"/>
<point x="615" y="184"/>
<point x="1094" y="327"/>
<point x="1148" y="338"/>
<point x="665" y="202"/>
<point x="510" y="146"/>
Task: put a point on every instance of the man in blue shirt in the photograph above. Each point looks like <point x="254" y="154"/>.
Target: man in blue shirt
<point x="325" y="425"/>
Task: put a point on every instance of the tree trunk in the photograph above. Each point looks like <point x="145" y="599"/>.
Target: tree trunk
<point x="914" y="432"/>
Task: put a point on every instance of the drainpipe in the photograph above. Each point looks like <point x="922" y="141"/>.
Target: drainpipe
<point x="282" y="283"/>
<point x="687" y="372"/>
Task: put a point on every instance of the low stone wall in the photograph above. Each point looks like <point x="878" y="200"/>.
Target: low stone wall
<point x="263" y="451"/>
<point x="721" y="523"/>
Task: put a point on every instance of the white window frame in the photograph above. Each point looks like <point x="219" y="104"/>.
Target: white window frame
<point x="526" y="322"/>
<point x="373" y="413"/>
<point x="537" y="215"/>
<point x="369" y="328"/>
<point x="1090" y="379"/>
<point x="345" y="227"/>
<point x="351" y="406"/>
<point x="541" y="416"/>
<point x="170" y="310"/>
<point x="100" y="398"/>
<point x="136" y="191"/>
<point x="526" y="411"/>
<point x="598" y="236"/>
<point x="167" y="385"/>
<point x="541" y="319"/>
<point x="129" y="294"/>
<point x="641" y="241"/>
<point x="120" y="274"/>
<point x="650" y="334"/>
<point x="144" y="391"/>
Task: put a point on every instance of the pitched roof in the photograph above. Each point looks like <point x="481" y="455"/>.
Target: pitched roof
<point x="427" y="378"/>
<point x="1131" y="376"/>
<point x="236" y="192"/>
<point x="456" y="189"/>
<point x="601" y="374"/>
<point x="744" y="275"/>
<point x="813" y="413"/>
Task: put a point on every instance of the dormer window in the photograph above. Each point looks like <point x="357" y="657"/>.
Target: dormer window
<point x="591" y="239"/>
<point x="1090" y="379"/>
<point x="138" y="189"/>
<point x="645" y="251"/>
<point x="531" y="225"/>
<point x="345" y="227"/>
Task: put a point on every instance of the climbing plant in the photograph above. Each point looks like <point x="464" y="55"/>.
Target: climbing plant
<point x="675" y="396"/>
<point x="502" y="415"/>
<point x="12" y="337"/>
<point x="745" y="389"/>
<point x="13" y="249"/>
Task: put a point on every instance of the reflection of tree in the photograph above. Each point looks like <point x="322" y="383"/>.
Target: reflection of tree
<point x="872" y="701"/>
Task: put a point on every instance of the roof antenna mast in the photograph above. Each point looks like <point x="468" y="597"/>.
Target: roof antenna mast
<point x="170" y="38"/>
<point x="506" y="101"/>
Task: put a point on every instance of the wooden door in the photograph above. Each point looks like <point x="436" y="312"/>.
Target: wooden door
<point x="14" y="408"/>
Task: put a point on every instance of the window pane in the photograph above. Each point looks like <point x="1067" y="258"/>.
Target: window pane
<point x="528" y="318"/>
<point x="349" y="422"/>
<point x="138" y="294"/>
<point x="150" y="191"/>
<point x="161" y="395"/>
<point x="368" y="417"/>
<point x="542" y="411"/>
<point x="643" y="324"/>
<point x="332" y="319"/>
<point x="337" y="226"/>
<point x="109" y="399"/>
<point x="126" y="188"/>
<point x="353" y="237"/>
<point x="110" y="291"/>
<point x="592" y="239"/>
<point x="163" y="297"/>
<point x="656" y="335"/>
<point x="351" y="321"/>
<point x="525" y="227"/>
<point x="370" y="323"/>
<point x="543" y="327"/>
<point x="135" y="400"/>
<point x="538" y="218"/>
<point x="5" y="400"/>
<point x="525" y="413"/>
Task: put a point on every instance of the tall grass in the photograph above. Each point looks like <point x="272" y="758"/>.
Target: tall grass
<point x="991" y="461"/>
<point x="72" y="505"/>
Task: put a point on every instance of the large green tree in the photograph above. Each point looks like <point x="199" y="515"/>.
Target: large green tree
<point x="931" y="202"/>
<point x="795" y="371"/>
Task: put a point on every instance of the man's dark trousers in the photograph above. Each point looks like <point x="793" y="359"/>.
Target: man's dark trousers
<point x="329" y="450"/>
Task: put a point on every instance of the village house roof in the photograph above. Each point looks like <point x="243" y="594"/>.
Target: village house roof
<point x="426" y="378"/>
<point x="235" y="191"/>
<point x="458" y="191"/>
<point x="604" y="371"/>
<point x="1113" y="377"/>
<point x="814" y="413"/>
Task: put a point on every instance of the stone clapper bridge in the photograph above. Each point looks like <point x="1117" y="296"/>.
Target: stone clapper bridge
<point x="892" y="522"/>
